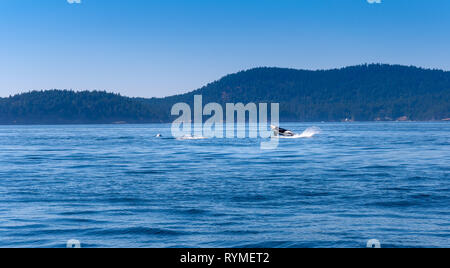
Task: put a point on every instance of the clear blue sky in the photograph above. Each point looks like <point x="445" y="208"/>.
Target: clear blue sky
<point x="162" y="47"/>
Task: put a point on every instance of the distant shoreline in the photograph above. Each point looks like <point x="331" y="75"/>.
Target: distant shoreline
<point x="166" y="123"/>
<point x="375" y="92"/>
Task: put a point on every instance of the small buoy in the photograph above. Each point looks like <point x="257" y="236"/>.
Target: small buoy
<point x="72" y="243"/>
<point x="373" y="243"/>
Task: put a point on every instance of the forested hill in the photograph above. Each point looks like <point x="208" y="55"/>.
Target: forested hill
<point x="69" y="107"/>
<point x="360" y="93"/>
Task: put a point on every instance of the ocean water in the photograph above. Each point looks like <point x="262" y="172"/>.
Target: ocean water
<point x="120" y="186"/>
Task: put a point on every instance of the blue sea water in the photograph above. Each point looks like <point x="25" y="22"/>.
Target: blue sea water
<point x="120" y="186"/>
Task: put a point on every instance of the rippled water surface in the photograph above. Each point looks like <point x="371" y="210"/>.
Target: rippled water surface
<point x="120" y="186"/>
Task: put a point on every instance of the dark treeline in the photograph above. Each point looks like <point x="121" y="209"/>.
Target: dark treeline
<point x="360" y="93"/>
<point x="69" y="107"/>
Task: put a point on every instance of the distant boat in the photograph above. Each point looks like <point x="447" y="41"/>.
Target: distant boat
<point x="403" y="119"/>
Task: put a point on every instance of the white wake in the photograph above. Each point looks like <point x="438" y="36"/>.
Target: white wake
<point x="308" y="133"/>
<point x="191" y="138"/>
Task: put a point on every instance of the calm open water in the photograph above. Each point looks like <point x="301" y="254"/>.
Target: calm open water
<point x="119" y="186"/>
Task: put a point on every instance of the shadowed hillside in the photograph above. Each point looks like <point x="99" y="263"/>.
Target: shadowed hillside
<point x="69" y="107"/>
<point x="360" y="93"/>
